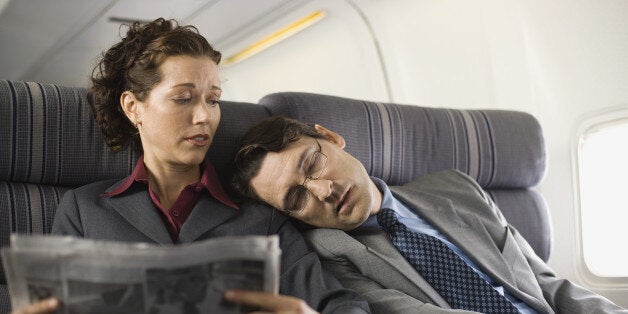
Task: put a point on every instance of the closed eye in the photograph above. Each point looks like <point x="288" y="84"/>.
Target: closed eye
<point x="309" y="171"/>
<point x="182" y="101"/>
<point x="291" y="199"/>
<point x="315" y="165"/>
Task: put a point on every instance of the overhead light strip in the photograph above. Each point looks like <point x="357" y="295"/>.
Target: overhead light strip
<point x="128" y="21"/>
<point x="275" y="38"/>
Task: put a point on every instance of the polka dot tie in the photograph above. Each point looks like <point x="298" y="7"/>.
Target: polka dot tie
<point x="443" y="269"/>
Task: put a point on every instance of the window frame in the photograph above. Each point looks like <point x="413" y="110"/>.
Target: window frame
<point x="588" y="123"/>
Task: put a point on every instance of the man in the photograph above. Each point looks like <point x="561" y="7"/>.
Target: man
<point x="436" y="244"/>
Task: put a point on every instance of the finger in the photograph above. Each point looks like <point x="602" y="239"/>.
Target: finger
<point x="267" y="301"/>
<point x="44" y="306"/>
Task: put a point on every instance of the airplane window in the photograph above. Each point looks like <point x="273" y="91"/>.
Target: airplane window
<point x="603" y="169"/>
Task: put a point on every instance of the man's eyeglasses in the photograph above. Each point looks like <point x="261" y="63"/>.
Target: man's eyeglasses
<point x="314" y="168"/>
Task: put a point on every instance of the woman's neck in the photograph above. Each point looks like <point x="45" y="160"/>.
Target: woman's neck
<point x="167" y="181"/>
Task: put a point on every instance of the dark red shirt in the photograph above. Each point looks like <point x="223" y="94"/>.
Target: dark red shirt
<point x="175" y="217"/>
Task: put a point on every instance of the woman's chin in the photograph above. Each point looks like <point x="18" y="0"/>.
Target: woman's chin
<point x="192" y="159"/>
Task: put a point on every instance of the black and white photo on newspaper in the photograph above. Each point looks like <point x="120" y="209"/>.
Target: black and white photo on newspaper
<point x="94" y="276"/>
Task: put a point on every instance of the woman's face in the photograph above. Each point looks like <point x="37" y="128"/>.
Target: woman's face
<point x="179" y="117"/>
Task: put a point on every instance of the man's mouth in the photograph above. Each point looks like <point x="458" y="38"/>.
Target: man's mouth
<point x="342" y="201"/>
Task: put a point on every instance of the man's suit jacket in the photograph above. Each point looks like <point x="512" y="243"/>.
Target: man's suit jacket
<point x="365" y="260"/>
<point x="132" y="217"/>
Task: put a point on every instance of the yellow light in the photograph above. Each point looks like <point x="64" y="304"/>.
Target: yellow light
<point x="275" y="38"/>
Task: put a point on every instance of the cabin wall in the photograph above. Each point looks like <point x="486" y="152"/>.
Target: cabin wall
<point x="581" y="53"/>
<point x="558" y="60"/>
<point x="335" y="56"/>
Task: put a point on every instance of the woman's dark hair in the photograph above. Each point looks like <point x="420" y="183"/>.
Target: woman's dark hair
<point x="133" y="65"/>
<point x="270" y="135"/>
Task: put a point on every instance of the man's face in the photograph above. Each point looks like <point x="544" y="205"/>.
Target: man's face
<point x="343" y="197"/>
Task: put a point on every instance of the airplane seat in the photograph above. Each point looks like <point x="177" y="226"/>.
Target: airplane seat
<point x="50" y="143"/>
<point x="504" y="151"/>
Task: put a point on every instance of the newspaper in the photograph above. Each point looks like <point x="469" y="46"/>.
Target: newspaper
<point x="90" y="276"/>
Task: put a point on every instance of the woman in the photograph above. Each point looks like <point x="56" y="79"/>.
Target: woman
<point x="159" y="90"/>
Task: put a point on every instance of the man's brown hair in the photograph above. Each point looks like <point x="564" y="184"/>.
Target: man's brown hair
<point x="270" y="135"/>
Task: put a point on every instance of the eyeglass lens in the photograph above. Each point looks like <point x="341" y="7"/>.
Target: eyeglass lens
<point x="299" y="198"/>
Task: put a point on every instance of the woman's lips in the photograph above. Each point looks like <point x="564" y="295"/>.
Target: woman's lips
<point x="198" y="140"/>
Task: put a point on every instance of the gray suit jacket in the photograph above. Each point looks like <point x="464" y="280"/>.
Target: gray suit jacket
<point x="132" y="217"/>
<point x="365" y="260"/>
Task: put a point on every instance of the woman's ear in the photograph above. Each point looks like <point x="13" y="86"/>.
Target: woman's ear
<point x="130" y="106"/>
<point x="331" y="135"/>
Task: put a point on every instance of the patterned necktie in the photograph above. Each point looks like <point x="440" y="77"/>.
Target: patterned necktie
<point x="448" y="274"/>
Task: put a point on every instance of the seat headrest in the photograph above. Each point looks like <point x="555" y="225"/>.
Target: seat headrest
<point x="50" y="136"/>
<point x="395" y="142"/>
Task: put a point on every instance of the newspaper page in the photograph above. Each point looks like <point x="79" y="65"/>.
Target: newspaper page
<point x="91" y="276"/>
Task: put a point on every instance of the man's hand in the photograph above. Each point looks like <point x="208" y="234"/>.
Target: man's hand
<point x="271" y="303"/>
<point x="41" y="307"/>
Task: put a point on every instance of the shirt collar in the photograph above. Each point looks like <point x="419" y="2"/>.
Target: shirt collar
<point x="138" y="175"/>
<point x="388" y="201"/>
<point x="209" y="181"/>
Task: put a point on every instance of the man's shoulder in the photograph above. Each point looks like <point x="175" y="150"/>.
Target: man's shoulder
<point x="438" y="181"/>
<point x="324" y="235"/>
<point x="441" y="188"/>
<point x="327" y="241"/>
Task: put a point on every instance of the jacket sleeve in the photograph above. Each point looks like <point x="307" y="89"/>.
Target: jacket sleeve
<point x="562" y="295"/>
<point x="302" y="276"/>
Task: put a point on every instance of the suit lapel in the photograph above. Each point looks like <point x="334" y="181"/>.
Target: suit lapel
<point x="132" y="204"/>
<point x="379" y="246"/>
<point x="462" y="229"/>
<point x="138" y="209"/>
<point x="206" y="215"/>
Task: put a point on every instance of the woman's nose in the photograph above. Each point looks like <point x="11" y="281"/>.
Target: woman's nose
<point x="202" y="113"/>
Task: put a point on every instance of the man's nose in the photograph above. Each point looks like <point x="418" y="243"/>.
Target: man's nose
<point x="320" y="188"/>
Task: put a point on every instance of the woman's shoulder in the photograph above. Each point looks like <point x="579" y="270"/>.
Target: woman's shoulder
<point x="96" y="189"/>
<point x="254" y="208"/>
<point x="263" y="214"/>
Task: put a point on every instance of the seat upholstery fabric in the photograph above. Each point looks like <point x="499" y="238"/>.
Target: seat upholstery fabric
<point x="503" y="150"/>
<point x="50" y="143"/>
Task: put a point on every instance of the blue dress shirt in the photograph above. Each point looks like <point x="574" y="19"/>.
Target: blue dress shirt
<point x="420" y="225"/>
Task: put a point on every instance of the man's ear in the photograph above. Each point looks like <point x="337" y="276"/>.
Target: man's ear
<point x="130" y="105"/>
<point x="331" y="135"/>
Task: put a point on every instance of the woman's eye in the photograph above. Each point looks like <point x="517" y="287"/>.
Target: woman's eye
<point x="214" y="102"/>
<point x="182" y="100"/>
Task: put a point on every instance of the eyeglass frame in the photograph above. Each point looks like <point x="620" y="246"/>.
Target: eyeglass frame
<point x="303" y="186"/>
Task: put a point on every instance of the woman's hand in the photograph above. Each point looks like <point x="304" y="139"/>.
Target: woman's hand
<point x="41" y="307"/>
<point x="269" y="303"/>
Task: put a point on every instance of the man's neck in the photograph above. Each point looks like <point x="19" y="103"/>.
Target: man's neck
<point x="377" y="195"/>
